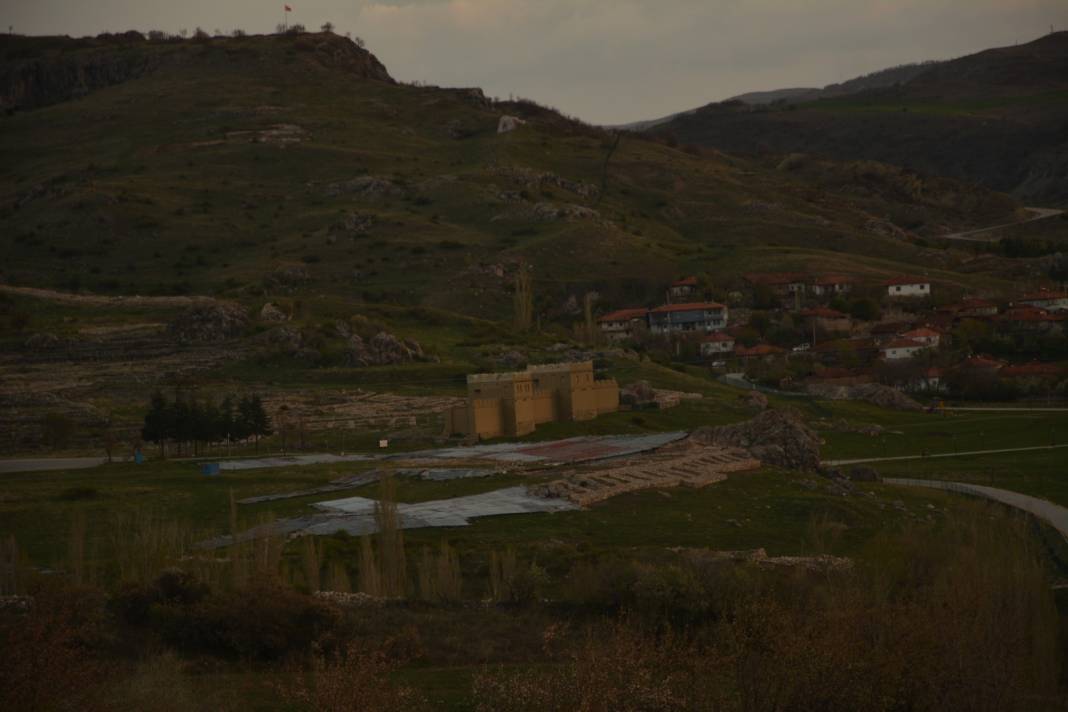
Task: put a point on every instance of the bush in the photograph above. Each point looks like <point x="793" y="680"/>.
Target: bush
<point x="48" y="656"/>
<point x="265" y="623"/>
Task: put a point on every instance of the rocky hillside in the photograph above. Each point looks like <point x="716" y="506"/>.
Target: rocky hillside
<point x="40" y="71"/>
<point x="998" y="118"/>
<point x="338" y="228"/>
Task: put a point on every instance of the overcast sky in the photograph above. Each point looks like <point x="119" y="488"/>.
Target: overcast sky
<point x="606" y="61"/>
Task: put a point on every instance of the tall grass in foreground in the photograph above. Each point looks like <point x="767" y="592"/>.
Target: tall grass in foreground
<point x="961" y="618"/>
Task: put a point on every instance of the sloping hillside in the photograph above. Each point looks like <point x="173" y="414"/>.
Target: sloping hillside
<point x="223" y="161"/>
<point x="331" y="218"/>
<point x="997" y="118"/>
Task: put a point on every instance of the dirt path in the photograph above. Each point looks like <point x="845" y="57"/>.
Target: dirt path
<point x="976" y="235"/>
<point x="44" y="464"/>
<point x="97" y="300"/>
<point x="1054" y="514"/>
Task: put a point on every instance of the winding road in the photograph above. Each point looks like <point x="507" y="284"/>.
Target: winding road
<point x="1054" y="514"/>
<point x="981" y="235"/>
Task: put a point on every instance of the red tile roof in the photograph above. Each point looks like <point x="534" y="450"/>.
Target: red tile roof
<point x="624" y="315"/>
<point x="758" y="350"/>
<point x="922" y="333"/>
<point x="1030" y="314"/>
<point x="832" y="279"/>
<point x="903" y="344"/>
<point x="1042" y="295"/>
<point x="823" y="313"/>
<point x="982" y="362"/>
<point x="692" y="306"/>
<point x="685" y="282"/>
<point x="1031" y="369"/>
<point x="906" y="280"/>
<point x="717" y="337"/>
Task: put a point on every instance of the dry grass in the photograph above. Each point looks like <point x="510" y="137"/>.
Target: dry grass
<point x="965" y="622"/>
<point x="356" y="679"/>
<point x="440" y="579"/>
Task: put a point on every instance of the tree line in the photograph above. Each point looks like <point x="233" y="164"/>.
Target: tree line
<point x="194" y="422"/>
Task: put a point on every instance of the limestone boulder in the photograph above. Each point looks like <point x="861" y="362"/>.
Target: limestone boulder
<point x="775" y="437"/>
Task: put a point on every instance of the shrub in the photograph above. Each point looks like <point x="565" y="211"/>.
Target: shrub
<point x="48" y="656"/>
<point x="262" y="623"/>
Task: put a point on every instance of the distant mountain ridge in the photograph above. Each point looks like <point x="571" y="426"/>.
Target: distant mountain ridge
<point x="874" y="80"/>
<point x="997" y="118"/>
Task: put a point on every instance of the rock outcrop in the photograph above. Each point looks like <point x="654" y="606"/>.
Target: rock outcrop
<point x="775" y="437"/>
<point x="209" y="324"/>
<point x="72" y="68"/>
<point x="874" y="393"/>
<point x="382" y="349"/>
<point x="271" y="313"/>
<point x="508" y="124"/>
<point x="287" y="277"/>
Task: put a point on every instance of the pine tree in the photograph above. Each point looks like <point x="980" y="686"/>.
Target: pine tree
<point x="158" y="425"/>
<point x="261" y="422"/>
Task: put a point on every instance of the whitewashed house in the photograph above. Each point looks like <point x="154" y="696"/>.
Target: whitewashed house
<point x="924" y="335"/>
<point x="908" y="287"/>
<point x="716" y="344"/>
<point x="899" y="349"/>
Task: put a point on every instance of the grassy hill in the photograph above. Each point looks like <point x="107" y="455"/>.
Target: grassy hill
<point x="995" y="118"/>
<point x="294" y="170"/>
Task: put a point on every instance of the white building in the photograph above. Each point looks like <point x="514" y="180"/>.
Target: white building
<point x="716" y="344"/>
<point x="908" y="287"/>
<point x="901" y="349"/>
<point x="928" y="337"/>
<point x="623" y="323"/>
<point x="698" y="316"/>
<point x="1046" y="299"/>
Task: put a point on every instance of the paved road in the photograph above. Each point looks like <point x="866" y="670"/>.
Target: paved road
<point x="858" y="461"/>
<point x="1054" y="514"/>
<point x="42" y="464"/>
<point x="980" y="235"/>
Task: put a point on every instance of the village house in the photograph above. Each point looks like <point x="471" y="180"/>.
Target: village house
<point x="1033" y="371"/>
<point x="1046" y="299"/>
<point x="716" y="344"/>
<point x="513" y="404"/>
<point x="826" y="319"/>
<point x="1032" y="318"/>
<point x="931" y="380"/>
<point x="696" y="316"/>
<point x="683" y="288"/>
<point x="901" y="349"/>
<point x="983" y="365"/>
<point x="782" y="283"/>
<point x="622" y="323"/>
<point x="828" y="285"/>
<point x="908" y="287"/>
<point x="971" y="309"/>
<point x="764" y="351"/>
<point x="889" y="330"/>
<point x="924" y="335"/>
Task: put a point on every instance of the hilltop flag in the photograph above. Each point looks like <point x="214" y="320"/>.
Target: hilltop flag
<point x="288" y="8"/>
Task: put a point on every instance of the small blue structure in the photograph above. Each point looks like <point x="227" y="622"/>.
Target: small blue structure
<point x="139" y="457"/>
<point x="210" y="469"/>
